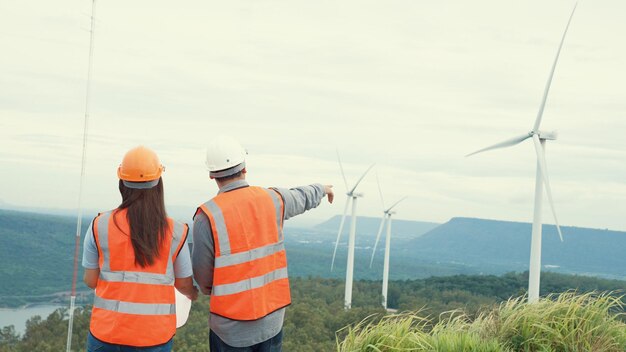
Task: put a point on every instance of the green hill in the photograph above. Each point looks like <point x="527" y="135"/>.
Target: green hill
<point x="36" y="257"/>
<point x="36" y="252"/>
<point x="316" y="318"/>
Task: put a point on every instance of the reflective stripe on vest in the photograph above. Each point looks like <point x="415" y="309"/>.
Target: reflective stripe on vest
<point x="220" y="227"/>
<point x="247" y="256"/>
<point x="134" y="308"/>
<point x="250" y="270"/>
<point x="279" y="211"/>
<point x="248" y="284"/>
<point x="142" y="302"/>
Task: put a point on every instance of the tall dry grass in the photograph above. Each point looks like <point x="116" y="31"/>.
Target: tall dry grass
<point x="567" y="322"/>
<point x="560" y="322"/>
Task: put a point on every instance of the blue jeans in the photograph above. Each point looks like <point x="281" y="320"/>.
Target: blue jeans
<point x="275" y="344"/>
<point x="95" y="345"/>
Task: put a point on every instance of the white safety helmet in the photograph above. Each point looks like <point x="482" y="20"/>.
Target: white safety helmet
<point x="225" y="157"/>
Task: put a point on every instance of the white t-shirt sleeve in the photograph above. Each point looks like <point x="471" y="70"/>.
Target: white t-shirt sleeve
<point x="90" y="251"/>
<point x="182" y="265"/>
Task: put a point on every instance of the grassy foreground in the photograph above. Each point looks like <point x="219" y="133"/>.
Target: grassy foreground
<point x="560" y="322"/>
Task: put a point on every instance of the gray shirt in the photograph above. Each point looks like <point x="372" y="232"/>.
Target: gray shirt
<point x="234" y="332"/>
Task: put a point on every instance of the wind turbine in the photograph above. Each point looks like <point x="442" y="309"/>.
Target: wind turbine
<point x="539" y="139"/>
<point x="386" y="218"/>
<point x="352" y="197"/>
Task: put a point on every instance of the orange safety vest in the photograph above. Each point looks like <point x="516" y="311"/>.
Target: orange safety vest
<point x="250" y="273"/>
<point x="134" y="306"/>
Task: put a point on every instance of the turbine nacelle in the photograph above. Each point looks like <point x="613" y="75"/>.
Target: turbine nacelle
<point x="354" y="195"/>
<point x="545" y="135"/>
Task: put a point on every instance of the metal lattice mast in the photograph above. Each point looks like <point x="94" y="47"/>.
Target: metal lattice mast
<point x="82" y="179"/>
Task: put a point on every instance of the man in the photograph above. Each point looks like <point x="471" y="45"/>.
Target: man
<point x="239" y="257"/>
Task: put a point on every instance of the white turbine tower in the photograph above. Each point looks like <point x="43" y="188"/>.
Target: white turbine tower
<point x="386" y="218"/>
<point x="352" y="197"/>
<point x="539" y="139"/>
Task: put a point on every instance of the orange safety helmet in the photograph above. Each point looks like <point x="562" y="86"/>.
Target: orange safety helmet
<point x="140" y="168"/>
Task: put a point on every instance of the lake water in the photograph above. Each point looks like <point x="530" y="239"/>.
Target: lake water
<point x="18" y="317"/>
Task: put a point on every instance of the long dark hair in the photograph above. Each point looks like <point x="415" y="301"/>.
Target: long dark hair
<point x="147" y="219"/>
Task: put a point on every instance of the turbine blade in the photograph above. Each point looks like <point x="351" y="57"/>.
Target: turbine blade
<point x="380" y="191"/>
<point x="508" y="143"/>
<point x="345" y="181"/>
<point x="396" y="203"/>
<point x="360" y="179"/>
<point x="546" y="182"/>
<point x="547" y="89"/>
<point x="380" y="230"/>
<point x="343" y="219"/>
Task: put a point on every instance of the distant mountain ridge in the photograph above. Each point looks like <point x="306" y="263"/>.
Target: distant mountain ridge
<point x="370" y="225"/>
<point x="500" y="246"/>
<point x="180" y="213"/>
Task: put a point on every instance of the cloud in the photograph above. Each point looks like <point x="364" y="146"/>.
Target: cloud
<point x="412" y="86"/>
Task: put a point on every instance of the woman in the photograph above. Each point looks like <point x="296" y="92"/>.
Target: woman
<point x="134" y="256"/>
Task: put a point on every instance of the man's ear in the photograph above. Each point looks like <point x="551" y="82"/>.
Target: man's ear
<point x="243" y="171"/>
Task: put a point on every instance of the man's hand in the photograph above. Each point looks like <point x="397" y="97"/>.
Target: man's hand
<point x="328" y="190"/>
<point x="206" y="290"/>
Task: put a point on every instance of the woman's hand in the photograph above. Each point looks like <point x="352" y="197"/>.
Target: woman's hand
<point x="194" y="294"/>
<point x="185" y="286"/>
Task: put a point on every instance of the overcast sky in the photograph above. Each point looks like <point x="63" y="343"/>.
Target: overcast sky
<point x="410" y="85"/>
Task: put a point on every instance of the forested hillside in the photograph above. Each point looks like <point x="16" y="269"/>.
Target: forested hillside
<point x="316" y="314"/>
<point x="36" y="256"/>
<point x="36" y="252"/>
